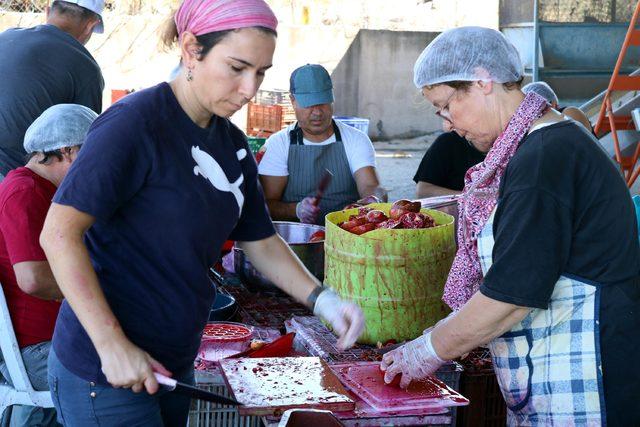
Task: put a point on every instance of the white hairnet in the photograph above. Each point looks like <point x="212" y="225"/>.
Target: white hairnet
<point x="542" y="89"/>
<point x="468" y="54"/>
<point x="63" y="125"/>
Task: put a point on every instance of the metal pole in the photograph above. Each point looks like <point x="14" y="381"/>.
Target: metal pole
<point x="536" y="35"/>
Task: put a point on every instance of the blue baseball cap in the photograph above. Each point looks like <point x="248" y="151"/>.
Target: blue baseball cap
<point x="311" y="85"/>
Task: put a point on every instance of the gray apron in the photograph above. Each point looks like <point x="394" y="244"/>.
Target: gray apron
<point x="306" y="164"/>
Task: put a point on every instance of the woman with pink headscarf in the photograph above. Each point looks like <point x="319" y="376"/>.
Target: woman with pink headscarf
<point x="547" y="272"/>
<point x="163" y="180"/>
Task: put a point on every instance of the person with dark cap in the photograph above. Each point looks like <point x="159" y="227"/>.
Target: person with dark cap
<point x="32" y="294"/>
<point x="47" y="65"/>
<point x="297" y="156"/>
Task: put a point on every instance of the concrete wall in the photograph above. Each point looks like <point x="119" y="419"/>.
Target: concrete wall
<point x="374" y="80"/>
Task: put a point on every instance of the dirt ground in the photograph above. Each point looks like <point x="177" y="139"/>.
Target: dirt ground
<point x="397" y="162"/>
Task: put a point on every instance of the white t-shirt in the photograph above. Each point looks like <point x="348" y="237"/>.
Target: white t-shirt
<point x="357" y="146"/>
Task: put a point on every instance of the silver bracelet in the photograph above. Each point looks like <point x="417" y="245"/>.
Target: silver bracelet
<point x="313" y="296"/>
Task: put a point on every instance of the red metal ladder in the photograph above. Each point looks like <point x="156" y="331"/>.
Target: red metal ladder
<point x="607" y="121"/>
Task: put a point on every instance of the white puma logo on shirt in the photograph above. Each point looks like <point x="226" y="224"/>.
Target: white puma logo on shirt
<point x="211" y="170"/>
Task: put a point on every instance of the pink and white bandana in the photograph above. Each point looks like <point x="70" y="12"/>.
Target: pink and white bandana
<point x="479" y="198"/>
<point x="206" y="16"/>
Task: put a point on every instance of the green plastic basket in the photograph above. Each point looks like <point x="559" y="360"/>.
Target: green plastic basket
<point x="396" y="276"/>
<point x="255" y="143"/>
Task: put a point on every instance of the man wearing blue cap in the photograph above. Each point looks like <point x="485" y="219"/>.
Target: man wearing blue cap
<point x="47" y="65"/>
<point x="297" y="156"/>
<point x="31" y="291"/>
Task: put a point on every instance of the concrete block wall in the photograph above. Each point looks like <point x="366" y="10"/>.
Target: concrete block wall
<point x="374" y="80"/>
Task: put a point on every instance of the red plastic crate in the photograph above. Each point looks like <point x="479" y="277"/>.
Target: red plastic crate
<point x="263" y="119"/>
<point x="117" y="94"/>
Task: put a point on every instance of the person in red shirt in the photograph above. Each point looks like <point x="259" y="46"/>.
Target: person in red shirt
<point x="52" y="143"/>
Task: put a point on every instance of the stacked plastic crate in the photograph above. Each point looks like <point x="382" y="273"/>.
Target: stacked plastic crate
<point x="270" y="111"/>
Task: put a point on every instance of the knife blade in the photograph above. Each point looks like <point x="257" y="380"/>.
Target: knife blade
<point x="193" y="392"/>
<point x="325" y="180"/>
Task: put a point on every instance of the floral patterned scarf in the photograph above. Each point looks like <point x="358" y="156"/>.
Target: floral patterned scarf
<point x="479" y="198"/>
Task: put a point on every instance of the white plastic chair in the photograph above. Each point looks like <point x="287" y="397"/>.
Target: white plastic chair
<point x="22" y="392"/>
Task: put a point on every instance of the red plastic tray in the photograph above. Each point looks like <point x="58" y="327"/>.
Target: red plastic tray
<point x="367" y="381"/>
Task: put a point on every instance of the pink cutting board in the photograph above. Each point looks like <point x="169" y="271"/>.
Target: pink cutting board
<point x="367" y="381"/>
<point x="269" y="386"/>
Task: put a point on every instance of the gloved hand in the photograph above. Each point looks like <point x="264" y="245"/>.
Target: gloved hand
<point x="381" y="193"/>
<point x="414" y="361"/>
<point x="307" y="211"/>
<point x="368" y="200"/>
<point x="345" y="317"/>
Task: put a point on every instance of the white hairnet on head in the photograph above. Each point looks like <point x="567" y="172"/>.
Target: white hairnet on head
<point x="63" y="125"/>
<point x="468" y="54"/>
<point x="542" y="89"/>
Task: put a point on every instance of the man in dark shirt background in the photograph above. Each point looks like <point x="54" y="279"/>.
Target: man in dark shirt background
<point x="442" y="169"/>
<point x="47" y="65"/>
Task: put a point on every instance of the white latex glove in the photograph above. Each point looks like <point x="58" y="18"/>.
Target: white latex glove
<point x="345" y="317"/>
<point x="307" y="211"/>
<point x="414" y="361"/>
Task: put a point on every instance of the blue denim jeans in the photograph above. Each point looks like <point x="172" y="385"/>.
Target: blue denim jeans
<point x="34" y="358"/>
<point x="82" y="403"/>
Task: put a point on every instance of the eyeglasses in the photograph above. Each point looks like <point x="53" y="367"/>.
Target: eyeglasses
<point x="444" y="111"/>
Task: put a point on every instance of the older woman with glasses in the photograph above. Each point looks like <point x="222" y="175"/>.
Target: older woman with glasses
<point x="547" y="269"/>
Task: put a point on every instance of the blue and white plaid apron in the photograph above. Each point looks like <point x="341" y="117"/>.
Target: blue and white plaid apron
<point x="549" y="366"/>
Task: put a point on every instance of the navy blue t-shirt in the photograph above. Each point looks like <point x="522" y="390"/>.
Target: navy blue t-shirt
<point x="166" y="194"/>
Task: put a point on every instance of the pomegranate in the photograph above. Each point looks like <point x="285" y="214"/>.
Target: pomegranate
<point x="318" y="236"/>
<point x="376" y="216"/>
<point x="348" y="225"/>
<point x="362" y="211"/>
<point x="403" y="206"/>
<point x="361" y="229"/>
<point x="413" y="220"/>
<point x="390" y="223"/>
<point x="429" y="221"/>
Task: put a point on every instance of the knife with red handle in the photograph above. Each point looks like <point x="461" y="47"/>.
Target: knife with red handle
<point x="323" y="185"/>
